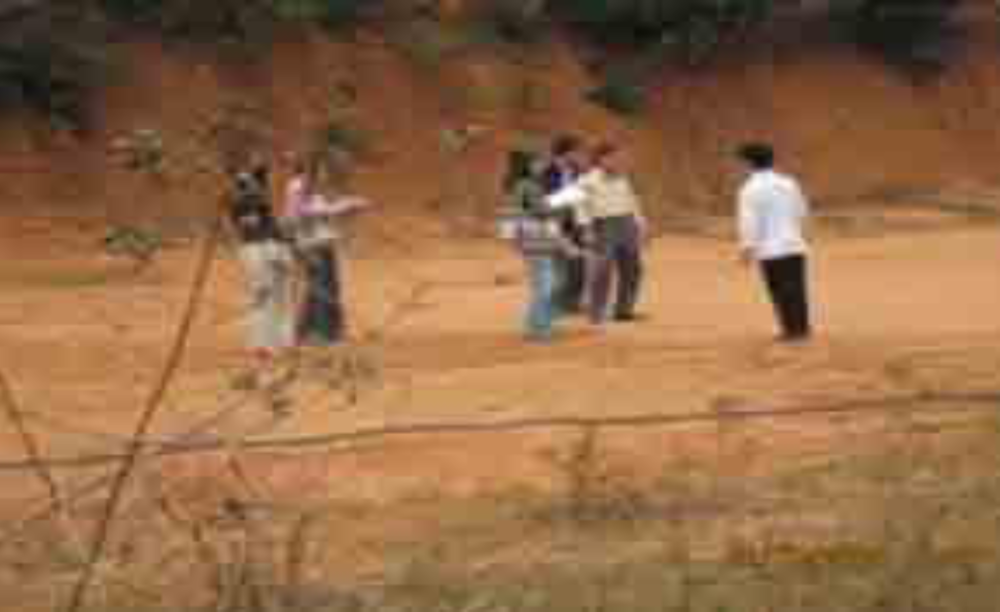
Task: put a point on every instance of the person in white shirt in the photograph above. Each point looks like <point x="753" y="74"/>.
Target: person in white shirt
<point x="772" y="214"/>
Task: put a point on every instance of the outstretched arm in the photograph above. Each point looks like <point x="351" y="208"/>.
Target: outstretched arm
<point x="337" y="207"/>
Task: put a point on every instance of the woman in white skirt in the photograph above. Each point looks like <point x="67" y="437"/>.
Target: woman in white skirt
<point x="267" y="262"/>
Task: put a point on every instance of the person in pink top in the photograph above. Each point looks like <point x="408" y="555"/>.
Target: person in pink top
<point x="314" y="219"/>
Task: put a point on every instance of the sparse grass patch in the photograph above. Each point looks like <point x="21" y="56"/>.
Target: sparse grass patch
<point x="901" y="520"/>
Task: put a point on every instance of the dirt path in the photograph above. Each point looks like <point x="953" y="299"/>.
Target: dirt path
<point x="898" y="315"/>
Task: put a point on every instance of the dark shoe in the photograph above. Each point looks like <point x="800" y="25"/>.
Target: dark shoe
<point x="631" y="318"/>
<point x="570" y="310"/>
<point x="794" y="338"/>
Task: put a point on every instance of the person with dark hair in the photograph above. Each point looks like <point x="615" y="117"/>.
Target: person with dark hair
<point x="616" y="228"/>
<point x="540" y="237"/>
<point x="567" y="164"/>
<point x="266" y="260"/>
<point x="518" y="171"/>
<point x="524" y="185"/>
<point x="315" y="220"/>
<point x="772" y="211"/>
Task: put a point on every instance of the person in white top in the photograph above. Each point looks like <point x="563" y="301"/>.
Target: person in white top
<point x="615" y="229"/>
<point x="772" y="214"/>
<point x="315" y="219"/>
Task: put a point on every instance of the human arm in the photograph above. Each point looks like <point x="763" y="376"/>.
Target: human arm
<point x="747" y="227"/>
<point x="638" y="213"/>
<point x="320" y="206"/>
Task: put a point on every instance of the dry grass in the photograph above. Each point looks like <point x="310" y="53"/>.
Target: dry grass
<point x="904" y="520"/>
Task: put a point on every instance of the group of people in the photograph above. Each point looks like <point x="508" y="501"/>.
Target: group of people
<point x="578" y="220"/>
<point x="573" y="212"/>
<point x="277" y="249"/>
<point x="575" y="215"/>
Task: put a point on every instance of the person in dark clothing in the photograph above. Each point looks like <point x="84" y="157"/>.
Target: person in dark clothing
<point x="540" y="239"/>
<point x="772" y="211"/>
<point x="250" y="207"/>
<point x="565" y="168"/>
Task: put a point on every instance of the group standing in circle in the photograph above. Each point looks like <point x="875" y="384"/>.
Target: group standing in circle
<point x="573" y="213"/>
<point x="578" y="220"/>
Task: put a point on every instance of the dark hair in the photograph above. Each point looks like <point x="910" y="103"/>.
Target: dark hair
<point x="758" y="155"/>
<point x="262" y="174"/>
<point x="301" y="165"/>
<point x="604" y="150"/>
<point x="519" y="164"/>
<point x="566" y="144"/>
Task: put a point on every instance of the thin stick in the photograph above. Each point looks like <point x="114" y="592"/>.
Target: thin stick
<point x="137" y="443"/>
<point x="32" y="449"/>
<point x="977" y="402"/>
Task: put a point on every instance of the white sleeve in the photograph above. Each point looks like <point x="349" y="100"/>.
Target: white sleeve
<point x="747" y="221"/>
<point x="583" y="209"/>
<point x="566" y="197"/>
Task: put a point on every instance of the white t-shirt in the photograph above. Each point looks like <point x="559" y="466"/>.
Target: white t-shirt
<point x="772" y="212"/>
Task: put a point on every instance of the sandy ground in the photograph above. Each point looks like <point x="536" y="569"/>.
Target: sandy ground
<point x="83" y="343"/>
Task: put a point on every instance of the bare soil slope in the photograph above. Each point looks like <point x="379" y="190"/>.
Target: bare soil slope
<point x="853" y="128"/>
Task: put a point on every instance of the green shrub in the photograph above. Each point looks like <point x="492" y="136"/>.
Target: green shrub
<point x="518" y="21"/>
<point x="50" y="65"/>
<point x="330" y="13"/>
<point x="691" y="27"/>
<point x="623" y="90"/>
<point x="915" y="34"/>
<point x="226" y="19"/>
<point x="243" y="20"/>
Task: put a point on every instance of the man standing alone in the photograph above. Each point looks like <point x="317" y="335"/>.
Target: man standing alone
<point x="772" y="213"/>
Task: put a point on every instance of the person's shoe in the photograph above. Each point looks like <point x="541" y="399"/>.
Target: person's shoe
<point x="794" y="338"/>
<point x="570" y="310"/>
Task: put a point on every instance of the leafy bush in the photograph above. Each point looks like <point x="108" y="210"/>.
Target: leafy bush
<point x="913" y="33"/>
<point x="142" y="150"/>
<point x="330" y="13"/>
<point x="236" y="19"/>
<point x="692" y="27"/>
<point x="655" y="31"/>
<point x="231" y="19"/>
<point x="517" y="21"/>
<point x="49" y="65"/>
<point x="623" y="90"/>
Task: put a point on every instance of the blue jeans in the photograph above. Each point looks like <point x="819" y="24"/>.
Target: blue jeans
<point x="322" y="318"/>
<point x="543" y="273"/>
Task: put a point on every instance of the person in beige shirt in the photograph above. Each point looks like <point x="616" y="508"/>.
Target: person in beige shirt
<point x="611" y="212"/>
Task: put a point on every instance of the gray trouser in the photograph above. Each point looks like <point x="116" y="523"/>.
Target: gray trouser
<point x="618" y="261"/>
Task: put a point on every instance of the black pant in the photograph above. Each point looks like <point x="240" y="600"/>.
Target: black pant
<point x="322" y="311"/>
<point x="786" y="283"/>
<point x="573" y="271"/>
<point x="573" y="283"/>
<point x="618" y="260"/>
